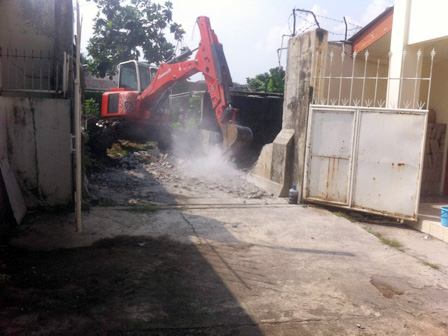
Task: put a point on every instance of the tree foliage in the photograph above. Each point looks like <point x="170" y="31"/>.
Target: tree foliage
<point x="125" y="29"/>
<point x="272" y="81"/>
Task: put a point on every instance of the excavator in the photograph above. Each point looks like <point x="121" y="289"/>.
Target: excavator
<point x="143" y="88"/>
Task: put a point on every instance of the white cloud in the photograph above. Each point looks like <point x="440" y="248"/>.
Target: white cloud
<point x="373" y="10"/>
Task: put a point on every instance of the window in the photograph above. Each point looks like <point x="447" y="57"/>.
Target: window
<point x="128" y="76"/>
<point x="145" y="79"/>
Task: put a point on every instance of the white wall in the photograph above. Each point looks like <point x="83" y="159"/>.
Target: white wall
<point x="427" y="20"/>
<point x="35" y="134"/>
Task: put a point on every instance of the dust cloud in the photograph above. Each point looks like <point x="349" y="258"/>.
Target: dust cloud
<point x="211" y="164"/>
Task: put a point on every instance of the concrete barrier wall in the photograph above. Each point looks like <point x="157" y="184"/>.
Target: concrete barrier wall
<point x="282" y="165"/>
<point x="262" y="113"/>
<point x="35" y="136"/>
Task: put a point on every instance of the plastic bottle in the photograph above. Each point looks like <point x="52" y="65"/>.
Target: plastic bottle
<point x="293" y="195"/>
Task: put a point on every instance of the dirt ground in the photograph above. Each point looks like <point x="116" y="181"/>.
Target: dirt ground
<point x="172" y="246"/>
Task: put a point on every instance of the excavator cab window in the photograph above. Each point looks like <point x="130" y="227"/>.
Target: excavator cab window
<point x="136" y="76"/>
<point x="128" y="76"/>
<point x="145" y="78"/>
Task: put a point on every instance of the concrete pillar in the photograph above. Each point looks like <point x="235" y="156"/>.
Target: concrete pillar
<point x="298" y="94"/>
<point x="398" y="92"/>
<point x="281" y="164"/>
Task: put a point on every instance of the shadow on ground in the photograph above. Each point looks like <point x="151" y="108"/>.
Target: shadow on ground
<point x="134" y="284"/>
<point x="119" y="286"/>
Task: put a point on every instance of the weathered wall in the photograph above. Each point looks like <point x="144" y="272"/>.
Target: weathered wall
<point x="262" y="113"/>
<point x="35" y="133"/>
<point x="45" y="25"/>
<point x="298" y="93"/>
<point x="287" y="155"/>
<point x="35" y="136"/>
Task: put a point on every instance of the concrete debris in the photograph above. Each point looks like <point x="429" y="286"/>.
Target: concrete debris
<point x="158" y="177"/>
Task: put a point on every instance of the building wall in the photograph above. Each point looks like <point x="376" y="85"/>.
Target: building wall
<point x="427" y="20"/>
<point x="35" y="136"/>
<point x="35" y="133"/>
<point x="45" y="25"/>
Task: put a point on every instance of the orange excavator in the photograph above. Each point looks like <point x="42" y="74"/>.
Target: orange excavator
<point x="143" y="88"/>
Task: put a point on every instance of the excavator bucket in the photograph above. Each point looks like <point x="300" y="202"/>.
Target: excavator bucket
<point x="235" y="138"/>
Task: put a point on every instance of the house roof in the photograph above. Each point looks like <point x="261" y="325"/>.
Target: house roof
<point x="373" y="31"/>
<point x="99" y="84"/>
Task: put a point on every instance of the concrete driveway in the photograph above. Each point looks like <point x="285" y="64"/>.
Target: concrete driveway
<point x="212" y="262"/>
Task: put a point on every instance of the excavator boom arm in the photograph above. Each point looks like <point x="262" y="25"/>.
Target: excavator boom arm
<point x="209" y="60"/>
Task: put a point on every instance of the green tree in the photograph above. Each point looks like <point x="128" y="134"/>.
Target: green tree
<point x="274" y="81"/>
<point x="125" y="29"/>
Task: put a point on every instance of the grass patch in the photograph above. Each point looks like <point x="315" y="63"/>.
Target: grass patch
<point x="346" y="216"/>
<point x="427" y="263"/>
<point x="142" y="208"/>
<point x="386" y="241"/>
<point x="125" y="147"/>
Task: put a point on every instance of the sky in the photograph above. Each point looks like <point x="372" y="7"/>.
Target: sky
<point x="251" y="30"/>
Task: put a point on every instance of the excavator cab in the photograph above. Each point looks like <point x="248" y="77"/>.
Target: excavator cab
<point x="121" y="102"/>
<point x="135" y="76"/>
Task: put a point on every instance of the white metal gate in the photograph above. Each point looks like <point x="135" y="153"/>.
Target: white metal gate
<point x="367" y="159"/>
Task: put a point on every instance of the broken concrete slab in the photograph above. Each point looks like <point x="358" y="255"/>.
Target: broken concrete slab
<point x="273" y="168"/>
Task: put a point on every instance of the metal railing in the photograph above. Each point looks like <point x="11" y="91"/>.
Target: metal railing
<point x="348" y="80"/>
<point x="24" y="70"/>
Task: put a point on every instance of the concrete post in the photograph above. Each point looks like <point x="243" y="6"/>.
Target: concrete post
<point x="281" y="164"/>
<point x="298" y="94"/>
<point x="398" y="44"/>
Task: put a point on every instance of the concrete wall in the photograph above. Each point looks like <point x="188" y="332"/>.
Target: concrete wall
<point x="35" y="133"/>
<point x="33" y="37"/>
<point x="262" y="113"/>
<point x="35" y="136"/>
<point x="427" y="20"/>
<point x="281" y="164"/>
<point x="37" y="24"/>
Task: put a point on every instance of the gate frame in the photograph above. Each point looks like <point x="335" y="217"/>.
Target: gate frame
<point x="357" y="110"/>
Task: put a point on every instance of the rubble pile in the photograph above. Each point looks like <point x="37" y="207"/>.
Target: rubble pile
<point x="144" y="176"/>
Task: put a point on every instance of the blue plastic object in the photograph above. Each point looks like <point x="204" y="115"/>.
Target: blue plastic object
<point x="444" y="216"/>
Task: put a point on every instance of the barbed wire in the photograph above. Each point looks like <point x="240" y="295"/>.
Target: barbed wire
<point x="304" y="18"/>
<point x="336" y="20"/>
